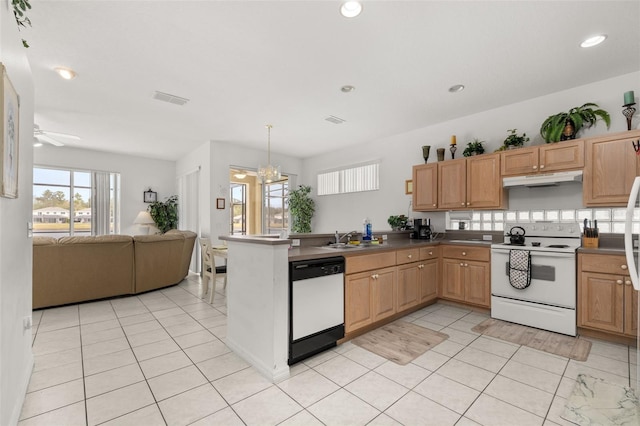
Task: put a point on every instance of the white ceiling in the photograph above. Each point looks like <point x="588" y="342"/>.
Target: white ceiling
<point x="245" y="64"/>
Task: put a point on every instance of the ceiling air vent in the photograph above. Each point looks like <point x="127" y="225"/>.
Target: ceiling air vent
<point x="172" y="99"/>
<point x="335" y="120"/>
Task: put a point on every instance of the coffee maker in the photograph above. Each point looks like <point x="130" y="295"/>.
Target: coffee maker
<point x="422" y="229"/>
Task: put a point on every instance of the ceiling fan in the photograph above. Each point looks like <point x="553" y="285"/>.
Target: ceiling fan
<point x="49" y="137"/>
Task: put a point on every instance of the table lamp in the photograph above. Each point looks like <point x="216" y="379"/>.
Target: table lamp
<point x="144" y="220"/>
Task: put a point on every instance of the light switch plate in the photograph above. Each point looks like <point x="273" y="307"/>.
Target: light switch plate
<point x="295" y="242"/>
<point x="487" y="238"/>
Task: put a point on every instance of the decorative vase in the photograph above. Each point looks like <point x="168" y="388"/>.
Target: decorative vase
<point x="425" y="152"/>
<point x="569" y="131"/>
<point x="440" y="152"/>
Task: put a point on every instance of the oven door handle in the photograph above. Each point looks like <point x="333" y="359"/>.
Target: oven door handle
<point x="553" y="254"/>
<point x="628" y="234"/>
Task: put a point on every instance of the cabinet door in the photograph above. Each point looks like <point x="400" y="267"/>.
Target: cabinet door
<point x="519" y="161"/>
<point x="429" y="279"/>
<point x="568" y="155"/>
<point x="601" y="301"/>
<point x="611" y="166"/>
<point x="477" y="283"/>
<point x="357" y="301"/>
<point x="383" y="292"/>
<point x="452" y="183"/>
<point x="452" y="279"/>
<point x="408" y="285"/>
<point x="425" y="187"/>
<point x="484" y="183"/>
<point x="630" y="309"/>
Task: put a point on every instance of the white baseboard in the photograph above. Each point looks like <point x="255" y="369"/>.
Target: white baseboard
<point x="274" y="375"/>
<point x="22" y="392"/>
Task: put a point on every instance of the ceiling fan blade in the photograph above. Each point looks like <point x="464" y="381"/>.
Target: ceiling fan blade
<point x="45" y="138"/>
<point x="63" y="135"/>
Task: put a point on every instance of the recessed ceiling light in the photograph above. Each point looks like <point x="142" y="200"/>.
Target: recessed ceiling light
<point x="456" y="88"/>
<point x="351" y="9"/>
<point x="347" y="88"/>
<point x="66" y="73"/>
<point x="593" y="41"/>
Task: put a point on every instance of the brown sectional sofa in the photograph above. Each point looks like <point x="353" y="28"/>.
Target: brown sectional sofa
<point x="78" y="269"/>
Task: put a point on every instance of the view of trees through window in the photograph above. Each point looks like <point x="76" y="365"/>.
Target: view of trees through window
<point x="62" y="202"/>
<point x="276" y="213"/>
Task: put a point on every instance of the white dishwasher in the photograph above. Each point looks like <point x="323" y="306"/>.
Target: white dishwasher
<point x="316" y="306"/>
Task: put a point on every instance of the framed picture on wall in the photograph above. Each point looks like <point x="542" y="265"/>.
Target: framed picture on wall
<point x="219" y="203"/>
<point x="10" y="140"/>
<point x="150" y="196"/>
<point x="408" y="186"/>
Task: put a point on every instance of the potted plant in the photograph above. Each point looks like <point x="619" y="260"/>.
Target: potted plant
<point x="165" y="214"/>
<point x="474" y="147"/>
<point x="302" y="207"/>
<point x="566" y="125"/>
<point x="514" y="140"/>
<point x="397" y="222"/>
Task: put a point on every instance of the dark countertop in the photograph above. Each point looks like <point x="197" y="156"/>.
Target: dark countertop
<point x="315" y="252"/>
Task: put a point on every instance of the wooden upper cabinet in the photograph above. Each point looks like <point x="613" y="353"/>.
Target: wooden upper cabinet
<point x="484" y="183"/>
<point x="452" y="184"/>
<point x="425" y="187"/>
<point x="568" y="155"/>
<point x="611" y="166"/>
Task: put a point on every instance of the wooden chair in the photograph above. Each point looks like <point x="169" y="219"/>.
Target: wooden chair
<point x="208" y="269"/>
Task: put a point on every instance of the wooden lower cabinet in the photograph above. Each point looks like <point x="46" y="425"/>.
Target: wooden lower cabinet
<point x="465" y="279"/>
<point x="606" y="298"/>
<point x="369" y="296"/>
<point x="429" y="279"/>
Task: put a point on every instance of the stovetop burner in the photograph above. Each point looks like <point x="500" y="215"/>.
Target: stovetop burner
<point x="558" y="246"/>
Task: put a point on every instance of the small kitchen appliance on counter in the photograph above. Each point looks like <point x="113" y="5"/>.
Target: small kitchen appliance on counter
<point x="422" y="229"/>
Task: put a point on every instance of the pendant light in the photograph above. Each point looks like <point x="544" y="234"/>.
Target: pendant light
<point x="269" y="173"/>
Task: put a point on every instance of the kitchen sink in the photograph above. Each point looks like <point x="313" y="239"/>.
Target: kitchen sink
<point x="341" y="246"/>
<point x="467" y="241"/>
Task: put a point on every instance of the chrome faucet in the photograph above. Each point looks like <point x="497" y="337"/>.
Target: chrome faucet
<point x="348" y="235"/>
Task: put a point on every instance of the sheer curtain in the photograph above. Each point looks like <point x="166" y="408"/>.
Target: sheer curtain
<point x="189" y="210"/>
<point x="101" y="206"/>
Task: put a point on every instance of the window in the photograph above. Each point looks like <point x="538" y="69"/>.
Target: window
<point x="276" y="207"/>
<point x="609" y="220"/>
<point x="238" y="209"/>
<point x="66" y="202"/>
<point x="364" y="177"/>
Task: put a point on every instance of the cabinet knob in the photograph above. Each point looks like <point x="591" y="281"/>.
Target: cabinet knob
<point x="462" y="204"/>
<point x="466" y="264"/>
<point x="434" y="205"/>
<point x="374" y="276"/>
<point x="409" y="256"/>
<point x="420" y="266"/>
<point x="541" y="166"/>
<point x="627" y="282"/>
<point x="535" y="167"/>
<point x="619" y="282"/>
<point x="623" y="267"/>
<point x="461" y="264"/>
<point x="464" y="253"/>
<point x="430" y="253"/>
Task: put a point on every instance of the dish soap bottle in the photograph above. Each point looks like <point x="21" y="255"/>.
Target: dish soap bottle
<point x="366" y="231"/>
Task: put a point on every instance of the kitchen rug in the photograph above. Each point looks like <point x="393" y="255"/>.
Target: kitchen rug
<point x="400" y="341"/>
<point x="542" y="340"/>
<point x="598" y="402"/>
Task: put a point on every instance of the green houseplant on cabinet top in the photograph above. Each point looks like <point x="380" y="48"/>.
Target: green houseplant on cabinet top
<point x="514" y="140"/>
<point x="566" y="125"/>
<point x="397" y="222"/>
<point x="302" y="207"/>
<point x="165" y="214"/>
<point x="474" y="147"/>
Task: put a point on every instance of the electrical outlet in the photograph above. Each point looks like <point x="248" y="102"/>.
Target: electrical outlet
<point x="384" y="237"/>
<point x="487" y="238"/>
<point x="295" y="242"/>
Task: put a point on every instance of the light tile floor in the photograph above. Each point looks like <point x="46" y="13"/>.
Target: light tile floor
<point x="160" y="358"/>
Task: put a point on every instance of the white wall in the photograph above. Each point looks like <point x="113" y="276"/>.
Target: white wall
<point x="137" y="174"/>
<point x="16" y="358"/>
<point x="200" y="158"/>
<point x="400" y="152"/>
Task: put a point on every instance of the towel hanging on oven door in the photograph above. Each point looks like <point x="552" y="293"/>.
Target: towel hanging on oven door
<point x="519" y="269"/>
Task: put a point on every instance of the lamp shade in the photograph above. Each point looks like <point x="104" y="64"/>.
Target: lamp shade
<point x="143" y="218"/>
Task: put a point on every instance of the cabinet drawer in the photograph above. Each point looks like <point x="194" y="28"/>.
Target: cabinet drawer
<point x="427" y="253"/>
<point x="369" y="262"/>
<point x="465" y="252"/>
<point x="407" y="256"/>
<point x="604" y="263"/>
